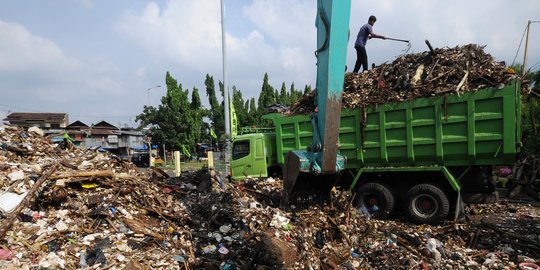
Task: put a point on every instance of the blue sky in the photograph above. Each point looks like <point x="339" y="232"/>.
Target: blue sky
<point x="95" y="59"/>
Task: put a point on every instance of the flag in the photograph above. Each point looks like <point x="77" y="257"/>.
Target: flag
<point x="213" y="134"/>
<point x="67" y="137"/>
<point x="186" y="151"/>
<point x="233" y="119"/>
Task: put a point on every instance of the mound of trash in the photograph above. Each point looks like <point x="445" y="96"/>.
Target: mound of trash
<point x="431" y="73"/>
<point x="69" y="208"/>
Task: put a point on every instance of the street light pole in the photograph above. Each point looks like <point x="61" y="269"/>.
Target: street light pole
<point x="225" y="92"/>
<point x="149" y="93"/>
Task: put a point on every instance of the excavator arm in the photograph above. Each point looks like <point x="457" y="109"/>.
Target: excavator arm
<point x="322" y="157"/>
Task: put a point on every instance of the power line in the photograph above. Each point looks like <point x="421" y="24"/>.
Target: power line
<point x="519" y="47"/>
<point x="521" y="41"/>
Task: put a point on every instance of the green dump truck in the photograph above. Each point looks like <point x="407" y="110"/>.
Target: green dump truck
<point x="423" y="154"/>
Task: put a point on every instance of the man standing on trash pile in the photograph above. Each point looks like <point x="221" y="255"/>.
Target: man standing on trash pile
<point x="365" y="32"/>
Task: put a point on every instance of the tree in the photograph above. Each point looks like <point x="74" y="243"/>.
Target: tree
<point x="198" y="111"/>
<point x="216" y="113"/>
<point x="172" y="122"/>
<point x="295" y="95"/>
<point x="307" y="89"/>
<point x="254" y="116"/>
<point x="283" y="96"/>
<point x="531" y="114"/>
<point x="238" y="103"/>
<point x="267" y="96"/>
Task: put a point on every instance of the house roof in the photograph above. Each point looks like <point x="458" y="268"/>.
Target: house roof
<point x="42" y="117"/>
<point x="104" y="125"/>
<point x="77" y="125"/>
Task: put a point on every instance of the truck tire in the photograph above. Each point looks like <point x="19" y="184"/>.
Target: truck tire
<point x="427" y="203"/>
<point x="377" y="198"/>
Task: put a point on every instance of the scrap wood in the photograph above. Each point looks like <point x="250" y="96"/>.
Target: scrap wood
<point x="343" y="233"/>
<point x="78" y="174"/>
<point x="510" y="235"/>
<point x="406" y="245"/>
<point x="6" y="224"/>
<point x="139" y="227"/>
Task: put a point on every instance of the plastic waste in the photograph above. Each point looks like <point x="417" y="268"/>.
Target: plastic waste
<point x="94" y="256"/>
<point x="227" y="266"/>
<point x="392" y="240"/>
<point x="82" y="261"/>
<point x="16" y="175"/>
<point x="6" y="254"/>
<point x="218" y="179"/>
<point x="209" y="249"/>
<point x="9" y="201"/>
<point x="364" y="211"/>
<point x="528" y="266"/>
<point x="223" y="250"/>
<point x="436" y="248"/>
<point x="225" y="228"/>
<point x="319" y="239"/>
<point x="179" y="258"/>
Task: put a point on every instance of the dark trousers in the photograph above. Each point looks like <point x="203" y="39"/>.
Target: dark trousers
<point x="361" y="59"/>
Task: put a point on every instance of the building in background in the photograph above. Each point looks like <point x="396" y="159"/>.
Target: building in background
<point x="122" y="142"/>
<point x="50" y="123"/>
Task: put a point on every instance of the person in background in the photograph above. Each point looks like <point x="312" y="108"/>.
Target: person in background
<point x="365" y="33"/>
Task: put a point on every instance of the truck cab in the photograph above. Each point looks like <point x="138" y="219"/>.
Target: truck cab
<point x="253" y="155"/>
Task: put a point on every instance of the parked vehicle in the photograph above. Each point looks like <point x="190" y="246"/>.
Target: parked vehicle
<point x="141" y="159"/>
<point x="423" y="154"/>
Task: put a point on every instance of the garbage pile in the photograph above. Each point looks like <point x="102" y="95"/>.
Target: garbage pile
<point x="66" y="208"/>
<point x="94" y="211"/>
<point x="431" y="73"/>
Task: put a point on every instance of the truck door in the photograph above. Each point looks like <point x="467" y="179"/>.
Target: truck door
<point x="242" y="158"/>
<point x="248" y="158"/>
<point x="258" y="167"/>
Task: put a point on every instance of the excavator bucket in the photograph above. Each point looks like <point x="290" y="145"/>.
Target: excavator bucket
<point x="301" y="185"/>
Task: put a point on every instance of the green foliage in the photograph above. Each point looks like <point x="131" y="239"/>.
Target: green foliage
<point x="182" y="121"/>
<point x="267" y="96"/>
<point x="240" y="108"/>
<point x="216" y="112"/>
<point x="531" y="115"/>
<point x="198" y="111"/>
<point x="172" y="122"/>
<point x="294" y="95"/>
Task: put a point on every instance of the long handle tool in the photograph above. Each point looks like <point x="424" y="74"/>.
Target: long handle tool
<point x="395" y="39"/>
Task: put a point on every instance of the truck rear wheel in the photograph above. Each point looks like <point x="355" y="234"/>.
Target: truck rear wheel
<point x="377" y="198"/>
<point x="427" y="203"/>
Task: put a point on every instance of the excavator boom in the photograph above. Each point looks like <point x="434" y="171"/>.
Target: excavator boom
<point x="322" y="157"/>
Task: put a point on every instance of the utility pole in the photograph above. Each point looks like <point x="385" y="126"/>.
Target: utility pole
<point x="526" y="47"/>
<point x="225" y="91"/>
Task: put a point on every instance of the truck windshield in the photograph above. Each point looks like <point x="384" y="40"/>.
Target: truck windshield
<point x="240" y="149"/>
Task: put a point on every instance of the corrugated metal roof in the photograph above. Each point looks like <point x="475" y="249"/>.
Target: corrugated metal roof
<point x="45" y="117"/>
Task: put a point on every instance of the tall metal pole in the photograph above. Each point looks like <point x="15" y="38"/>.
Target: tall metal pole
<point x="526" y="47"/>
<point x="226" y="90"/>
<point x="149" y="93"/>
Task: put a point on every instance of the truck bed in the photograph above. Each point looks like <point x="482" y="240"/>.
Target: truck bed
<point x="474" y="128"/>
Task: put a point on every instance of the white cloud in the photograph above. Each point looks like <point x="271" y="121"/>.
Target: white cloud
<point x="22" y="51"/>
<point x="187" y="34"/>
<point x="39" y="76"/>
